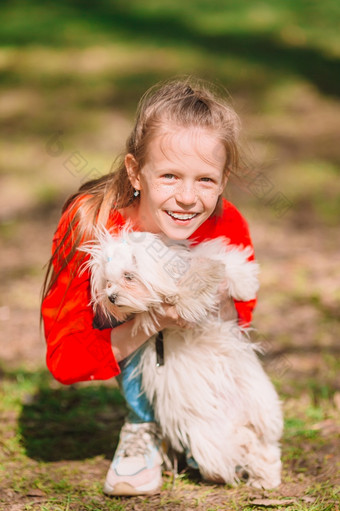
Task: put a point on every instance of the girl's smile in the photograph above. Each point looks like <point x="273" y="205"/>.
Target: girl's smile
<point x="181" y="181"/>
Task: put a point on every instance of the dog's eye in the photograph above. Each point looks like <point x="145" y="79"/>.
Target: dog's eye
<point x="128" y="276"/>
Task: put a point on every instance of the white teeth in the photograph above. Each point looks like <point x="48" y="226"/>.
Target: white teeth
<point x="184" y="216"/>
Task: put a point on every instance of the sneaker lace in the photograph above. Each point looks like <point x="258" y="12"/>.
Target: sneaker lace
<point x="136" y="440"/>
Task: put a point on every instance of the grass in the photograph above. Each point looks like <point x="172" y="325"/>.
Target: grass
<point x="57" y="442"/>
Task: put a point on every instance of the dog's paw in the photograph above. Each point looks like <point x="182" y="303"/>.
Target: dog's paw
<point x="241" y="275"/>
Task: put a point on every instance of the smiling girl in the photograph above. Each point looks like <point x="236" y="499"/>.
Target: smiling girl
<point x="177" y="162"/>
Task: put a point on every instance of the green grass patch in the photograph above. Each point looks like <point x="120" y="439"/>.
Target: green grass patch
<point x="286" y="37"/>
<point x="57" y="442"/>
<point x="297" y="23"/>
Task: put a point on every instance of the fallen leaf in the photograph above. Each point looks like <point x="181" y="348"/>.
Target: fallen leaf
<point x="35" y="493"/>
<point x="310" y="500"/>
<point x="272" y="502"/>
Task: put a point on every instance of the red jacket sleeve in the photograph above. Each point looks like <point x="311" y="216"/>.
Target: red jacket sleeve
<point x="75" y="350"/>
<point x="231" y="224"/>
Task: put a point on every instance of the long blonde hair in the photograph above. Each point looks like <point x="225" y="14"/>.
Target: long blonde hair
<point x="185" y="103"/>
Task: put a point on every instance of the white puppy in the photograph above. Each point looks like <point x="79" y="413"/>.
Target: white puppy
<point x="211" y="397"/>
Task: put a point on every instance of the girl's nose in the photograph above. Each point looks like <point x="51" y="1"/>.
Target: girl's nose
<point x="186" y="194"/>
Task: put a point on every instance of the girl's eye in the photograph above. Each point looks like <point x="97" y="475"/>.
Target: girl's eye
<point x="206" y="179"/>
<point x="169" y="176"/>
<point x="128" y="276"/>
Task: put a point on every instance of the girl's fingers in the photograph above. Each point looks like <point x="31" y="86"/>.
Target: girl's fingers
<point x="171" y="318"/>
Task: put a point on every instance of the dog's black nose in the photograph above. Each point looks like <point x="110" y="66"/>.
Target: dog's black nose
<point x="113" y="298"/>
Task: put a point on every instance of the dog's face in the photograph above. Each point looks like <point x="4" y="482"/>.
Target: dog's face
<point x="118" y="269"/>
<point x="120" y="273"/>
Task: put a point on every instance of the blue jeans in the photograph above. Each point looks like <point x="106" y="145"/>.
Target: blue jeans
<point x="140" y="410"/>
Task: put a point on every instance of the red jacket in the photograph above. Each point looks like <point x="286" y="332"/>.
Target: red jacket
<point x="76" y="351"/>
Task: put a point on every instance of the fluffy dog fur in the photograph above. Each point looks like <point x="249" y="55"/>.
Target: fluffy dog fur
<point x="211" y="397"/>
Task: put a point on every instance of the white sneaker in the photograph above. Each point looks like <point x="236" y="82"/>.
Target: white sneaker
<point x="136" y="468"/>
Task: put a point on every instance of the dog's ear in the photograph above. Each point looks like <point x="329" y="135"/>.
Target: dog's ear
<point x="197" y="290"/>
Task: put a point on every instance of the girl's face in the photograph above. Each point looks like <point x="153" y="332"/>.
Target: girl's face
<point x="180" y="182"/>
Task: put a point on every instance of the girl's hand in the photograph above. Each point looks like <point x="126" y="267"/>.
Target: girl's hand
<point x="170" y="318"/>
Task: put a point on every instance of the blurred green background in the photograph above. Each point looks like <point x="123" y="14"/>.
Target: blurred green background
<point x="73" y="71"/>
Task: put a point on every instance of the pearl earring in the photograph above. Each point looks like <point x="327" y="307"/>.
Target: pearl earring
<point x="136" y="193"/>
